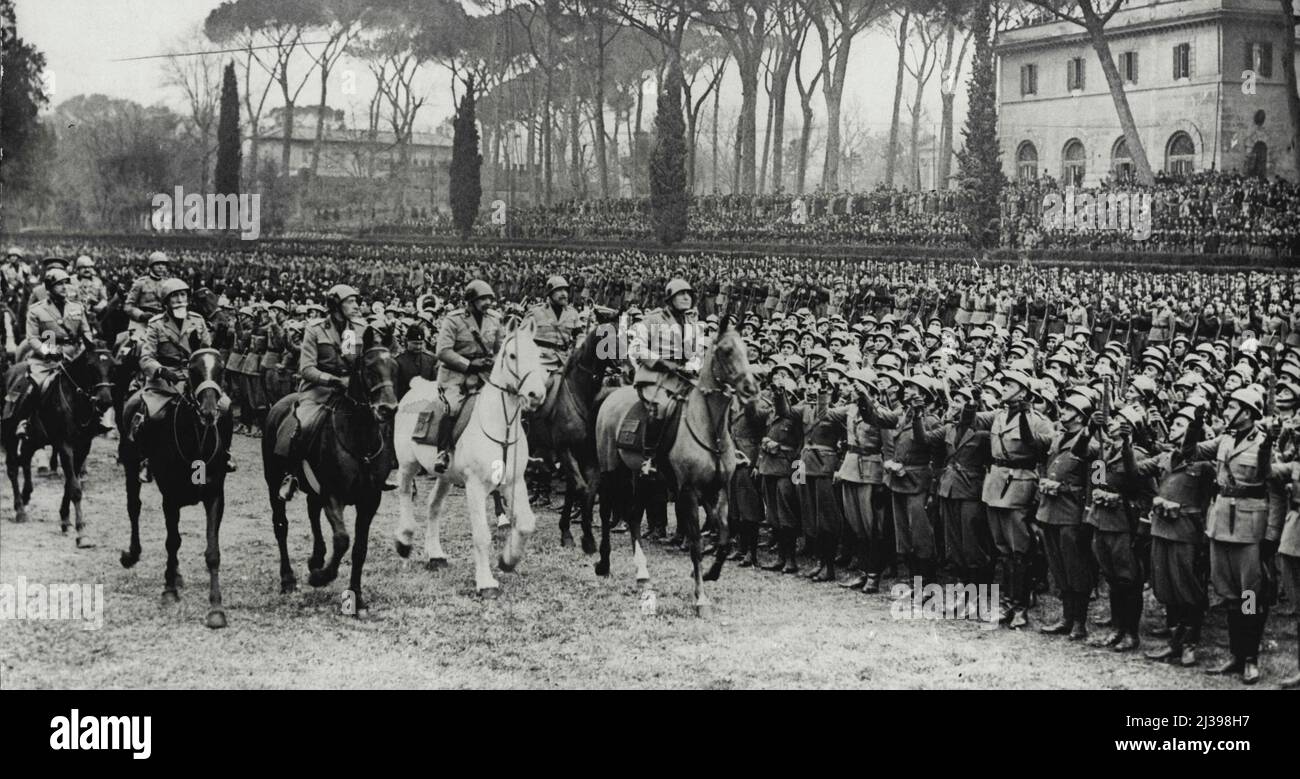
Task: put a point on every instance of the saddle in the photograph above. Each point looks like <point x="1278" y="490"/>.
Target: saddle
<point x="547" y="409"/>
<point x="426" y="425"/>
<point x="632" y="429"/>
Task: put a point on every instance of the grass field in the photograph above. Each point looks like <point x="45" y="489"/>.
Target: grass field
<point x="556" y="623"/>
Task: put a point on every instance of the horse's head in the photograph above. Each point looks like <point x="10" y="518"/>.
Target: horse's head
<point x="518" y="367"/>
<point x="92" y="372"/>
<point x="205" y="370"/>
<point x="375" y="374"/>
<point x="727" y="362"/>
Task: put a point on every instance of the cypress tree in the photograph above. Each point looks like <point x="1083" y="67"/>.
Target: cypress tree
<point x="668" y="196"/>
<point x="982" y="179"/>
<point x="229" y="155"/>
<point x="466" y="188"/>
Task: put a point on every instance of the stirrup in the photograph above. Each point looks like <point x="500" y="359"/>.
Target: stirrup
<point x="444" y="459"/>
<point x="145" y="475"/>
<point x="288" y="487"/>
<point x="21" y="430"/>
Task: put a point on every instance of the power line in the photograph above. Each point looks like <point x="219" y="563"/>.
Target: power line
<point x="215" y="51"/>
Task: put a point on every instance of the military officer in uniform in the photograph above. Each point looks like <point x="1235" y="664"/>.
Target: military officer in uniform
<point x="1243" y="534"/>
<point x="56" y="330"/>
<point x="1018" y="439"/>
<point x="330" y="347"/>
<point x="1067" y="540"/>
<point x="819" y="504"/>
<point x="468" y="340"/>
<point x="415" y="360"/>
<point x="41" y="293"/>
<point x="745" y="501"/>
<point x="557" y="326"/>
<point x="778" y="452"/>
<point x="968" y="543"/>
<point x="143" y="300"/>
<point x="90" y="288"/>
<point x="860" y="475"/>
<point x="170" y="337"/>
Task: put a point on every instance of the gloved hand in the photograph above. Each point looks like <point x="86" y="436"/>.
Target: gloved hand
<point x="170" y="374"/>
<point x="339" y="381"/>
<point x="480" y="364"/>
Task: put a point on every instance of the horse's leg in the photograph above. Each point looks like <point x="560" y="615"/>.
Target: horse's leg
<point x="12" y="466"/>
<point x="25" y="460"/>
<point x="566" y="537"/>
<point x="215" y="506"/>
<point x="635" y="511"/>
<point x="587" y="491"/>
<point x="715" y="506"/>
<point x="475" y="495"/>
<point x="131" y="467"/>
<point x="317" y="559"/>
<point x="404" y="535"/>
<point x="434" y="556"/>
<point x="280" y="525"/>
<point x="689" y="521"/>
<point x="525" y="522"/>
<point x="172" y="518"/>
<point x="334" y="513"/>
<point x="606" y="485"/>
<point x="367" y="505"/>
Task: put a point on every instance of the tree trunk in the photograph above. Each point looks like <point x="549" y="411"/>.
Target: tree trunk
<point x="575" y="137"/>
<point x="1137" y="152"/>
<point x="598" y="115"/>
<point x="944" y="165"/>
<point x="767" y="147"/>
<point x="780" y="85"/>
<point x="914" y="140"/>
<point x="748" y="129"/>
<point x="286" y="142"/>
<point x="833" y="92"/>
<point x="1288" y="70"/>
<point x="713" y="175"/>
<point x="320" y="118"/>
<point x="805" y="140"/>
<point x="891" y="151"/>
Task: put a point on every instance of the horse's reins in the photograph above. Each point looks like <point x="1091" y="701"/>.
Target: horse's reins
<point x="367" y="459"/>
<point x="509" y="419"/>
<point x="83" y="392"/>
<point x="201" y="428"/>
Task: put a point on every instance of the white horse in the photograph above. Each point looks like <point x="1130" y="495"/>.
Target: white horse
<point x="489" y="458"/>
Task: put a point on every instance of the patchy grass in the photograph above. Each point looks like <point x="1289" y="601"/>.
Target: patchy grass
<point x="556" y="624"/>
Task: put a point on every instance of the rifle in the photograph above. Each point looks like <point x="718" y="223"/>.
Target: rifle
<point x="1099" y="474"/>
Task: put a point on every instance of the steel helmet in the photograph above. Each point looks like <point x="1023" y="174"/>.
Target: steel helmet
<point x="339" y="293"/>
<point x="1145" y="386"/>
<point x="1250" y="398"/>
<point x="677" y="286"/>
<point x="14" y="251"/>
<point x="893" y="376"/>
<point x="84" y="261"/>
<point x="1187" y="412"/>
<point x="478" y="289"/>
<point x="171" y="287"/>
<point x="55" y="276"/>
<point x="554" y="283"/>
<point x="159" y="257"/>
<point x="864" y="376"/>
<point x="1079" y="403"/>
<point x="922" y="383"/>
<point x="1133" y="414"/>
<point x="1018" y="377"/>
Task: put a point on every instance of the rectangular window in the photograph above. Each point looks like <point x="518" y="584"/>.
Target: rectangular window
<point x="1128" y="66"/>
<point x="1074" y="74"/>
<point x="1259" y="58"/>
<point x="1183" y="61"/>
<point x="1028" y="80"/>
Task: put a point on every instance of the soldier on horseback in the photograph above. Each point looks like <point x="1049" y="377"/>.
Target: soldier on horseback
<point x="557" y="326"/>
<point x="91" y="293"/>
<point x="144" y="300"/>
<point x="467" y="343"/>
<point x="56" y="330"/>
<point x="666" y="349"/>
<point x="330" y="347"/>
<point x="169" y="340"/>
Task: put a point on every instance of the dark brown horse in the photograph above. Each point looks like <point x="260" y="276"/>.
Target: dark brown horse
<point x="67" y="416"/>
<point x="344" y="464"/>
<point x="566" y="429"/>
<point x="186" y="450"/>
<point x="698" y="464"/>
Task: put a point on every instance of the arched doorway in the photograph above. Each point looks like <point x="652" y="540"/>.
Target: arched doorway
<point x="1257" y="160"/>
<point x="1121" y="165"/>
<point x="1180" y="155"/>
<point x="1073" y="163"/>
<point x="1026" y="162"/>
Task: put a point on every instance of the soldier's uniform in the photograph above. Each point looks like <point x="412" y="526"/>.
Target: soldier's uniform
<point x="659" y="336"/>
<point x="744" y="500"/>
<point x="468" y="338"/>
<point x="412" y="363"/>
<point x="142" y="302"/>
<point x="167" y="344"/>
<point x="1067" y="540"/>
<point x="1112" y="510"/>
<point x="326" y="352"/>
<point x="819" y="504"/>
<point x="908" y="475"/>
<point x="968" y="542"/>
<point x="556" y="333"/>
<point x="90" y="292"/>
<point x="862" y="477"/>
<point x="54" y="335"/>
<point x="778" y="452"/>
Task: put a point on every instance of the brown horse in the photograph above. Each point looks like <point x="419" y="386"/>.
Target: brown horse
<point x="187" y="450"/>
<point x="698" y="465"/>
<point x="344" y="464"/>
<point x="68" y="410"/>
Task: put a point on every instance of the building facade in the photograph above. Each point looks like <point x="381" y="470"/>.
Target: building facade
<point x="1204" y="81"/>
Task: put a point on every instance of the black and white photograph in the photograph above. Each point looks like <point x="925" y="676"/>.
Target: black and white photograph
<point x="652" y="345"/>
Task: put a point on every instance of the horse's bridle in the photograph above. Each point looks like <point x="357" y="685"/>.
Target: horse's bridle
<point x="88" y="395"/>
<point x="359" y="371"/>
<point x="514" y="371"/>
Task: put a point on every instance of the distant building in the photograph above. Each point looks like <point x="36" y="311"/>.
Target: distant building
<point x="354" y="180"/>
<point x="1182" y="64"/>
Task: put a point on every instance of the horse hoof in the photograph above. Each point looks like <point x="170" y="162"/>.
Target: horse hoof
<point x="320" y="578"/>
<point x="602" y="568"/>
<point x="20" y="515"/>
<point x="84" y="542"/>
<point x="216" y="619"/>
<point x="180" y="581"/>
<point x="362" y="614"/>
<point x="288" y="585"/>
<point x="588" y="545"/>
<point x="489" y="593"/>
<point x="704" y="610"/>
<point x="129" y="559"/>
<point x="170" y="598"/>
<point x="502" y="521"/>
<point x="64" y="529"/>
<point x="566" y="541"/>
<point x="403" y="550"/>
<point x="435" y="563"/>
<point x="503" y="565"/>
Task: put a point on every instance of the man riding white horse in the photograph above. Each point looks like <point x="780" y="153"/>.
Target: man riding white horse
<point x="467" y="343"/>
<point x="666" y="349"/>
<point x="57" y="329"/>
<point x="169" y="339"/>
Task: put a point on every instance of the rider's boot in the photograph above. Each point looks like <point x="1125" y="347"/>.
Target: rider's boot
<point x="134" y="433"/>
<point x="446" y="426"/>
<point x="650" y="441"/>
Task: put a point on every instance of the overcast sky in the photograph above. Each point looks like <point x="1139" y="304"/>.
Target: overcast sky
<point x="82" y="39"/>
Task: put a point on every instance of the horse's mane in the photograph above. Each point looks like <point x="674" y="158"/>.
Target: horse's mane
<point x="707" y="380"/>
